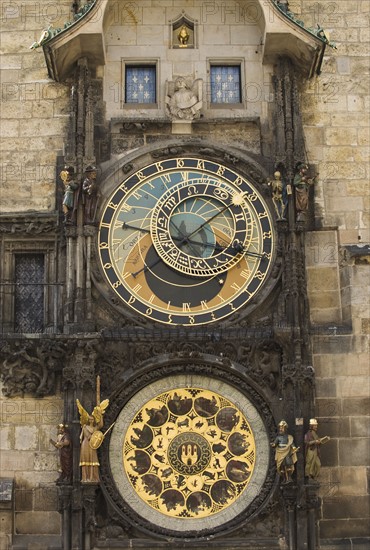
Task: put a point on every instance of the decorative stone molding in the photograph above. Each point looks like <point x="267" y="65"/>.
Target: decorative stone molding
<point x="30" y="368"/>
<point x="26" y="224"/>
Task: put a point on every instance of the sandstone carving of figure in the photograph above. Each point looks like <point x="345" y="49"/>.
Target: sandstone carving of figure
<point x="301" y="185"/>
<point x="184" y="100"/>
<point x="312" y="444"/>
<point x="90" y="194"/>
<point x="70" y="186"/>
<point x="64" y="444"/>
<point x="90" y="439"/>
<point x="285" y="452"/>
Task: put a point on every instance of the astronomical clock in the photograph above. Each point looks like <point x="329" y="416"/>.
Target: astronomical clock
<point x="185" y="243"/>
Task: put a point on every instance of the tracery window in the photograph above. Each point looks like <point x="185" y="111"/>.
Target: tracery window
<point x="29" y="278"/>
<point x="31" y="298"/>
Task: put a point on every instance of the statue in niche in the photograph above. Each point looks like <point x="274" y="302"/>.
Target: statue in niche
<point x="183" y="36"/>
<point x="184" y="99"/>
<point x="279" y="195"/>
<point x="64" y="444"/>
<point x="301" y="184"/>
<point x="312" y="444"/>
<point x="69" y="199"/>
<point x="183" y="32"/>
<point x="285" y="452"/>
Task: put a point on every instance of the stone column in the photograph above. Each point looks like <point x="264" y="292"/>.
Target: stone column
<point x="89" y="232"/>
<point x="313" y="503"/>
<point x="70" y="233"/>
<point x="65" y="500"/>
<point x="290" y="493"/>
<point x="88" y="503"/>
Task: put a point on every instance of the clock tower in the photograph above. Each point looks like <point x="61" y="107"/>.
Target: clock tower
<point x="185" y="263"/>
<point x="184" y="198"/>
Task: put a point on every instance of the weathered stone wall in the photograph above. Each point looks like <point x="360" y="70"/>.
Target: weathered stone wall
<point x="34" y="116"/>
<point x="336" y="117"/>
<point x="34" y="109"/>
<point x="29" y="458"/>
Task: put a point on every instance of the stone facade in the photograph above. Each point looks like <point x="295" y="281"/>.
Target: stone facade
<point x="336" y="129"/>
<point x="36" y="136"/>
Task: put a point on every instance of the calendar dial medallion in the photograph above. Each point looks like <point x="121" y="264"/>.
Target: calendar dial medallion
<point x="189" y="455"/>
<point x="186" y="241"/>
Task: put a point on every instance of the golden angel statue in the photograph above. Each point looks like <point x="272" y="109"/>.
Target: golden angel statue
<point x="91" y="438"/>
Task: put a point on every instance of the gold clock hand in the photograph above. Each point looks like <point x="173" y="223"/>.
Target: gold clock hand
<point x="238" y="247"/>
<point x="237" y="199"/>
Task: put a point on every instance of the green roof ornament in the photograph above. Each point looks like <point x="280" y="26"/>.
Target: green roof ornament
<point x="283" y="6"/>
<point x="50" y="32"/>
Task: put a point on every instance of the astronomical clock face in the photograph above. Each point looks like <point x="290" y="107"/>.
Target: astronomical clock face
<point x="191" y="457"/>
<point x="186" y="241"/>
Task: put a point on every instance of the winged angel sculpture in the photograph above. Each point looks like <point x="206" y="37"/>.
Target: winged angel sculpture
<point x="91" y="438"/>
<point x="184" y="98"/>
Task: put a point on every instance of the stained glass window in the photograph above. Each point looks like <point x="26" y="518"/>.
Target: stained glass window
<point x="140" y="84"/>
<point x="29" y="292"/>
<point x="225" y="84"/>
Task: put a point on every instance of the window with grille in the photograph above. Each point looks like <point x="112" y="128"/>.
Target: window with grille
<point x="29" y="279"/>
<point x="140" y="83"/>
<point x="225" y="84"/>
